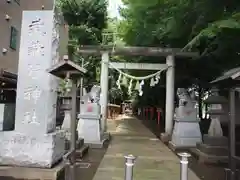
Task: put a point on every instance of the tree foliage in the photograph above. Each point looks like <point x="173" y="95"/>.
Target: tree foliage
<point x="89" y="25"/>
<point x="187" y="24"/>
<point x="86" y="20"/>
<point x="210" y="27"/>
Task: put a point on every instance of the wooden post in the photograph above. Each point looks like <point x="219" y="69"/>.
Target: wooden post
<point x="232" y="124"/>
<point x="73" y="130"/>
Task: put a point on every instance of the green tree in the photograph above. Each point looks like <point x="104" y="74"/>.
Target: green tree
<point x="86" y="20"/>
<point x="208" y="26"/>
<point x="204" y="25"/>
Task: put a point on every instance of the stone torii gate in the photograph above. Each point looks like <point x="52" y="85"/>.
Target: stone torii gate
<point x="169" y="53"/>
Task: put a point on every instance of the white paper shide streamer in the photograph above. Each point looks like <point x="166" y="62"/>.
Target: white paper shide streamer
<point x="137" y="86"/>
<point x="140" y="81"/>
<point x="119" y="81"/>
<point x="130" y="87"/>
<point x="141" y="88"/>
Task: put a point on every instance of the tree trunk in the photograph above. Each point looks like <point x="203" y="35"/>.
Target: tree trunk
<point x="200" y="102"/>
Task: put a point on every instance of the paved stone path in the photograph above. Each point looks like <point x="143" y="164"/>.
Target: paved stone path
<point x="155" y="161"/>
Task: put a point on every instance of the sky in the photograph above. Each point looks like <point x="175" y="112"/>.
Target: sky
<point x="113" y="8"/>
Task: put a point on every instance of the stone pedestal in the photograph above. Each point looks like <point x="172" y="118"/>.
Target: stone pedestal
<point x="186" y="134"/>
<point x="89" y="128"/>
<point x="89" y="124"/>
<point x="212" y="150"/>
<point x="165" y="138"/>
<point x="20" y="149"/>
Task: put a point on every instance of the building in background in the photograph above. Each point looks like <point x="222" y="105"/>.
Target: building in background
<point x="10" y="20"/>
<point x="10" y="30"/>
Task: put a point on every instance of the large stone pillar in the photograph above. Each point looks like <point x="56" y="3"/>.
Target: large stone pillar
<point x="104" y="90"/>
<point x="170" y="78"/>
<point x="34" y="142"/>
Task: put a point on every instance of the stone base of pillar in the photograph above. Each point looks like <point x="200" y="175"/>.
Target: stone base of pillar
<point x="79" y="144"/>
<point x="186" y="134"/>
<point x="165" y="137"/>
<point x="99" y="144"/>
<point x="212" y="150"/>
<point x="16" y="172"/>
<point x="89" y="129"/>
<point x="41" y="151"/>
<point x="106" y="135"/>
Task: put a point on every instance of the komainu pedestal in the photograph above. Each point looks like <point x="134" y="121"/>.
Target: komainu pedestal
<point x="186" y="132"/>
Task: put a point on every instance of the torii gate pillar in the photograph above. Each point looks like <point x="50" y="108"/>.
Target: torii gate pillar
<point x="170" y="78"/>
<point x="104" y="90"/>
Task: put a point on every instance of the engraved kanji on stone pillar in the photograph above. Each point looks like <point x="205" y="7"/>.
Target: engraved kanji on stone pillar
<point x="36" y="92"/>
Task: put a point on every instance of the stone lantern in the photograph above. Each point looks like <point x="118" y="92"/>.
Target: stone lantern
<point x="67" y="69"/>
<point x="215" y="146"/>
<point x="217" y="112"/>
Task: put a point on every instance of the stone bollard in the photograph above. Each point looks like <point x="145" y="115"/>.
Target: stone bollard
<point x="184" y="165"/>
<point x="230" y="175"/>
<point x="129" y="163"/>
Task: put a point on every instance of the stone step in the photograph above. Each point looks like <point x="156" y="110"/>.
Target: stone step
<point x="215" y="141"/>
<point x="82" y="151"/>
<point x="208" y="159"/>
<point x="79" y="144"/>
<point x="213" y="150"/>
